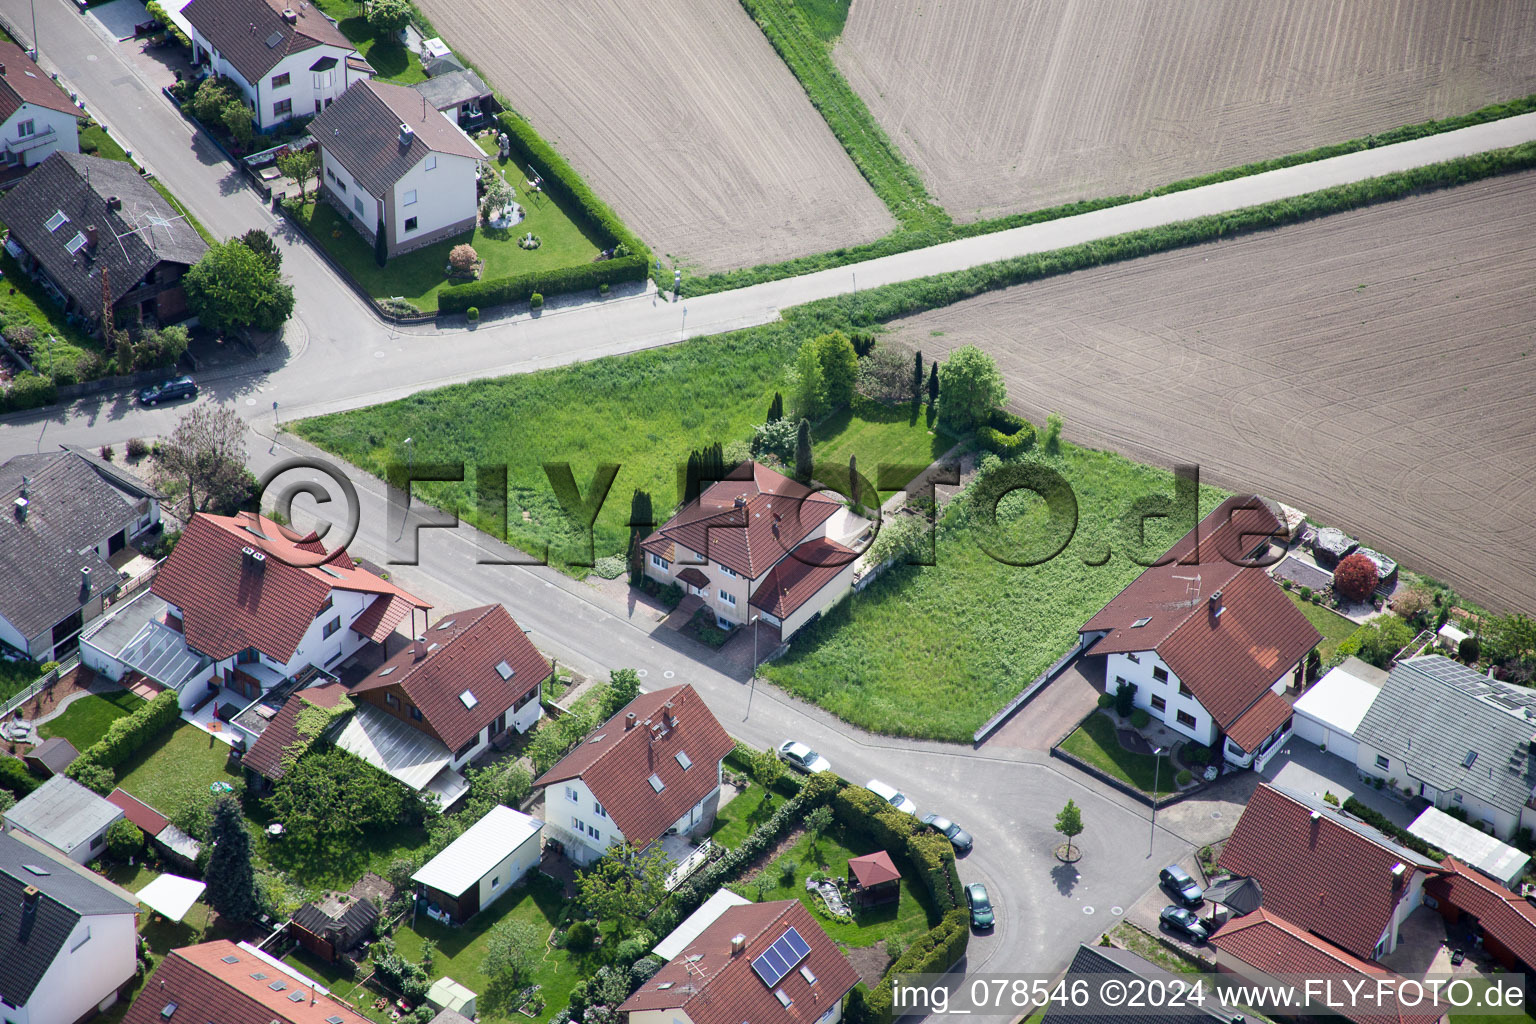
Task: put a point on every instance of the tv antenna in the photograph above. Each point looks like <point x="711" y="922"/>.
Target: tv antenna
<point x="1192" y="587"/>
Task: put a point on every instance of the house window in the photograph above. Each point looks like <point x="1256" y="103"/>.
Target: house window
<point x="278" y="81"/>
<point x="410" y="223"/>
<point x="597" y="807"/>
<point x="391" y="700"/>
<point x="729" y="599"/>
<point x="282" y="108"/>
<point x="1119" y="681"/>
<point x="727" y="570"/>
<point x="415" y="713"/>
<point x="660" y="563"/>
<point x="1158" y="704"/>
<point x="25" y="128"/>
<point x="410" y="198"/>
<point x="1186" y="719"/>
<point x="495" y="881"/>
<point x="357" y="204"/>
<point x="1134" y="658"/>
<point x="1185" y="691"/>
<point x="1160" y="674"/>
<point x="463" y="751"/>
<point x="432" y="162"/>
<point x="525" y="699"/>
<point x="571" y="795"/>
<point x="1382" y="762"/>
<point x="592" y="831"/>
<point x="576" y="824"/>
<point x="331" y="628"/>
<point x="98" y="841"/>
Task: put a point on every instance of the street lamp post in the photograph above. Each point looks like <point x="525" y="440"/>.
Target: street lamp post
<point x="754" y="624"/>
<point x="410" y="454"/>
<point x="36" y="50"/>
<point x="1157" y="754"/>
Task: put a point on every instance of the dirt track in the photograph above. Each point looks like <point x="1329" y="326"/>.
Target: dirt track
<point x="1010" y="105"/>
<point x="1376" y="369"/>
<point x="681" y="116"/>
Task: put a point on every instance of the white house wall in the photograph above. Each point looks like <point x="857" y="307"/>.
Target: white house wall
<point x="1503" y="822"/>
<point x="511" y="869"/>
<point x="344" y="191"/>
<point x="94" y="962"/>
<point x="570" y="802"/>
<point x="830" y="593"/>
<point x="445" y="201"/>
<point x="309" y="91"/>
<point x="1122" y="666"/>
<point x="53" y="131"/>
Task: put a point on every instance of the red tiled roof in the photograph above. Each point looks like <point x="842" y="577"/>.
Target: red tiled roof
<point x="151" y="821"/>
<point x="718" y="988"/>
<point x="616" y="763"/>
<point x="1326" y="876"/>
<point x="266" y="755"/>
<point x="22" y="81"/>
<point x="873" y="868"/>
<point x="1268" y="713"/>
<point x="205" y="988"/>
<point x="694" y="576"/>
<point x="776" y="514"/>
<point x="381" y="617"/>
<point x="1505" y="917"/>
<point x="797" y="578"/>
<point x="229" y="606"/>
<point x="1275" y="947"/>
<point x="470" y="644"/>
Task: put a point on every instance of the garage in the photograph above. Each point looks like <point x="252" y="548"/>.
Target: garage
<point x="1329" y="712"/>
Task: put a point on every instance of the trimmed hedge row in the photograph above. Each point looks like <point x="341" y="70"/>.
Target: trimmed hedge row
<point x="1006" y="434"/>
<point x="15" y="776"/>
<point x="1381" y="823"/>
<point x="124" y="737"/>
<point x="521" y="287"/>
<point x="866" y="815"/>
<point x="934" y="952"/>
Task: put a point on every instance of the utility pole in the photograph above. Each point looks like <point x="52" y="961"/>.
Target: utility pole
<point x="1157" y="754"/>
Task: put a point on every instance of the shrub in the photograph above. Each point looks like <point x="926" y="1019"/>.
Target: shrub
<point x="472" y="314"/>
<point x="500" y="291"/>
<point x="1006" y="434"/>
<point x="1106" y="701"/>
<point x="1378" y="641"/>
<point x="1469" y="649"/>
<point x="933" y="952"/>
<point x="29" y="390"/>
<point x="1306" y="593"/>
<point x="1196" y="754"/>
<point x="602" y="288"/>
<point x="1141" y="718"/>
<point x="1184" y="778"/>
<point x="578" y="938"/>
<point x="775" y="439"/>
<point x="15" y="778"/>
<point x="463" y="258"/>
<point x="1356" y="577"/>
<point x="1286" y="584"/>
<point x="535" y="301"/>
<point x="1330" y="799"/>
<point x="137" y="449"/>
<point x="107" y="452"/>
<point x="1381" y="823"/>
<point x="1125" y="700"/>
<point x="127" y="735"/>
<point x="124" y="840"/>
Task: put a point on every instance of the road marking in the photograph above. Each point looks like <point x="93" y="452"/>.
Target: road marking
<point x="1117" y="911"/>
<point x="1088" y="910"/>
<point x="378" y="355"/>
<point x="668" y="674"/>
<point x="642" y="672"/>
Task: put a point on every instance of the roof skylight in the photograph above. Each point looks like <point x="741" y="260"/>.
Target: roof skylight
<point x="468" y="699"/>
<point x="656" y="783"/>
<point x="683" y="759"/>
<point x="504" y="670"/>
<point x="58" y="220"/>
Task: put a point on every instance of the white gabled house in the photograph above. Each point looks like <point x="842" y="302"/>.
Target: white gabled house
<point x="288" y="59"/>
<point x="386" y="154"/>
<point x="37" y="118"/>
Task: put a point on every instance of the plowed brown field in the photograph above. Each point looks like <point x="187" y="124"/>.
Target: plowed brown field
<point x="1010" y="105"/>
<point x="681" y="116"/>
<point x="1376" y="369"/>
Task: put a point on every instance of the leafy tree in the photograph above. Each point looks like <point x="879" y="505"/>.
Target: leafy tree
<point x="231" y="878"/>
<point x="1356" y="577"/>
<point x="231" y="288"/>
<point x="839" y="367"/>
<point x="807" y="389"/>
<point x="775" y="439"/>
<point x="329" y="799"/>
<point x="388" y="18"/>
<point x="1378" y="641"/>
<point x="804" y="463"/>
<point x="623" y="886"/>
<point x="776" y="408"/>
<point x="212" y="96"/>
<point x="1413" y="603"/>
<point x="236" y="117"/>
<point x="1469" y="649"/>
<point x="124" y="840"/>
<point x="261" y="243"/>
<point x="642" y="520"/>
<point x="972" y="387"/>
<point x="512" y="950"/>
<point x="1510" y="637"/>
<point x="463" y="258"/>
<point x="897" y="536"/>
<point x="818" y="823"/>
<point x="1053" y="425"/>
<point x="623" y="687"/>
<point x="917" y="376"/>
<point x="380" y="243"/>
<point x="933" y="386"/>
<point x="206" y="452"/>
<point x="302" y="165"/>
<point x="1069" y="822"/>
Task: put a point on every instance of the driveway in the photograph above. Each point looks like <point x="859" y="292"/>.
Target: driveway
<point x="1303" y="767"/>
<point x="1054" y="711"/>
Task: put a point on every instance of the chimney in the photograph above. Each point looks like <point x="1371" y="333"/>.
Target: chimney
<point x="741" y="502"/>
<point x="629" y="721"/>
<point x="29" y="897"/>
<point x="21" y="516"/>
<point x="738" y="944"/>
<point x="1317" y="815"/>
<point x="90" y="235"/>
<point x="420" y="649"/>
<point x="290" y="16"/>
<point x="407" y="133"/>
<point x="666" y="715"/>
<point x="2" y="69"/>
<point x="114" y="203"/>
<point x="85" y="582"/>
<point x="1398" y="871"/>
<point x="1216" y="606"/>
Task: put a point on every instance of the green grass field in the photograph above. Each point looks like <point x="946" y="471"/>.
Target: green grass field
<point x="183" y="764"/>
<point x="86" y="720"/>
<point x="392" y="61"/>
<point x="876" y="433"/>
<point x="644" y="412"/>
<point x="461" y="950"/>
<point x="1094" y="741"/>
<point x="933" y="651"/>
<point x="1330" y="623"/>
<point x="24" y="303"/>
<point x="418" y="276"/>
<point x="825" y="17"/>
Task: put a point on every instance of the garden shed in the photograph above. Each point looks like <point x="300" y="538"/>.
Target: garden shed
<point x="51" y="757"/>
<point x="1328" y="714"/>
<point x="481" y="864"/>
<point x="873" y="880"/>
<point x="332" y="926"/>
<point x="66" y="816"/>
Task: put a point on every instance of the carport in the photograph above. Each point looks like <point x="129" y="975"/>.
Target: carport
<point x="1329" y="713"/>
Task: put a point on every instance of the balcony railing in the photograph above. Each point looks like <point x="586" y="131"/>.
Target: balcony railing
<point x="32" y="141"/>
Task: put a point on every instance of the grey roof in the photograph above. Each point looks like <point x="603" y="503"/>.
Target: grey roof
<point x="55" y="754"/>
<point x="394" y="747"/>
<point x="114" y="474"/>
<point x="1434" y="714"/>
<point x="134" y="632"/>
<point x="66" y="896"/>
<point x="252" y="35"/>
<point x="450" y="91"/>
<point x="340" y="917"/>
<point x="445" y="65"/>
<point x="362" y="130"/>
<point x="130" y="241"/>
<point x="70" y="510"/>
<point x="1107" y="960"/>
<point x="1470" y="845"/>
<point x="63" y="814"/>
<point x="1240" y="895"/>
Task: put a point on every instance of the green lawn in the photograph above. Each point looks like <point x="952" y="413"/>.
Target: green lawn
<point x="342" y="987"/>
<point x="826" y="17"/>
<point x="1330" y="623"/>
<point x="182" y="765"/>
<point x="23" y="303"/>
<point x="86" y="720"/>
<point x="738" y="818"/>
<point x="16" y="676"/>
<point x="461" y="950"/>
<point x="1094" y="741"/>
<point x="876" y="434"/>
<point x="907" y="919"/>
<point x="933" y="651"/>
<point x="393" y="62"/>
<point x="95" y="140"/>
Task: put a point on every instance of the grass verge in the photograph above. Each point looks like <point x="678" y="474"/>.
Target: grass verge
<point x="1331" y="624"/>
<point x="1094" y="741"/>
<point x="909" y="238"/>
<point x="86" y="719"/>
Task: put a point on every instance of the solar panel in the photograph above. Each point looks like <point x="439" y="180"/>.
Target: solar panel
<point x="230" y="959"/>
<point x="780" y="958"/>
<point x="295" y="997"/>
<point x="278" y="986"/>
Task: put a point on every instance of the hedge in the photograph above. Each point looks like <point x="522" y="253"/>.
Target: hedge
<point x="28" y="391"/>
<point x="1381" y="823"/>
<point x="520" y="287"/>
<point x="1006" y="434"/>
<point x="126" y="735"/>
<point x="15" y="777"/>
<point x="934" y="952"/>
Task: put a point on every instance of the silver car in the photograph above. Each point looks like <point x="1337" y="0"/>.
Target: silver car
<point x="802" y="758"/>
<point x="893" y="796"/>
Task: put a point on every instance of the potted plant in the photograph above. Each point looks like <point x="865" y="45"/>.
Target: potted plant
<point x="472" y="314"/>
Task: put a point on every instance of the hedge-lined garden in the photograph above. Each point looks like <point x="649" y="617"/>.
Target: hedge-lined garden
<point x="95" y="765"/>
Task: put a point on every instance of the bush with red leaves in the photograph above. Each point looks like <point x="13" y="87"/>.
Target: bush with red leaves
<point x="1355" y="578"/>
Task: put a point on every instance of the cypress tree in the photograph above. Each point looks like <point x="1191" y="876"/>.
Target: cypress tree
<point x="917" y="376"/>
<point x="933" y="386"/>
<point x="380" y="245"/>
<point x="853" y="478"/>
<point x="231" y="879"/>
<point x="803" y="463"/>
<point x="776" y="408"/>
<point x="641" y="522"/>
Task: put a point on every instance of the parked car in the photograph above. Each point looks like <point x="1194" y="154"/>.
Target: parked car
<point x="980" y="905"/>
<point x="958" y="837"/>
<point x="893" y="796"/>
<point x="802" y="758"/>
<point x="1177" y="883"/>
<point x="168" y="390"/>
<point x="1184" y="922"/>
